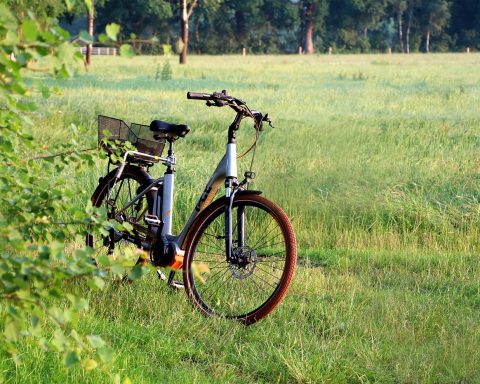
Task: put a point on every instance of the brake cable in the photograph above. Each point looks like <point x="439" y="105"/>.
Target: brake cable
<point x="257" y="135"/>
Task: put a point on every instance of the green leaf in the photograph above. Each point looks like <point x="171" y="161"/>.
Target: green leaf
<point x="89" y="5"/>
<point x="102" y="38"/>
<point x="103" y="261"/>
<point x="70" y="4"/>
<point x="99" y="282"/>
<point x="12" y="330"/>
<point x="71" y="358"/>
<point x="29" y="29"/>
<point x="126" y="50"/>
<point x="136" y="272"/>
<point x="105" y="354"/>
<point x="127" y="226"/>
<point x="117" y="269"/>
<point x="85" y="37"/>
<point x="78" y="303"/>
<point x="96" y="341"/>
<point x="59" y="340"/>
<point x="89" y="364"/>
<point x="112" y="31"/>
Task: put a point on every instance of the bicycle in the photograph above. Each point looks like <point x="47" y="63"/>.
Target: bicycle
<point x="237" y="253"/>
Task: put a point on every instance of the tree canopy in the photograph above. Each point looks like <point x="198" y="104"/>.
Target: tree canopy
<point x="279" y="26"/>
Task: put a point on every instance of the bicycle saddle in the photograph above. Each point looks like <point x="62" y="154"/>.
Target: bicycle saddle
<point x="171" y="130"/>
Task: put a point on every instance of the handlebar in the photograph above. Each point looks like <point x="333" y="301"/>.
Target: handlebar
<point x="221" y="99"/>
<point x="199" y="96"/>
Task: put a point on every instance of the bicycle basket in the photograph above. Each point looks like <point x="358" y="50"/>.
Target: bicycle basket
<point x="139" y="135"/>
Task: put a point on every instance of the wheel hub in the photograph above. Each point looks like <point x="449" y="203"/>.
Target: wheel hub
<point x="243" y="262"/>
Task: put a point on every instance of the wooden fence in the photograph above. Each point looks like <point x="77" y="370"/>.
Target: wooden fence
<point x="104" y="51"/>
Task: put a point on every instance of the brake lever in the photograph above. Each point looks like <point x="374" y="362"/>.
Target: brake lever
<point x="216" y="103"/>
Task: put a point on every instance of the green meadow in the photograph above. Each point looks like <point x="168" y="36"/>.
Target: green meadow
<point x="375" y="160"/>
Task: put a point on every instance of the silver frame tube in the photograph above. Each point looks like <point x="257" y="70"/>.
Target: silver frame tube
<point x="167" y="203"/>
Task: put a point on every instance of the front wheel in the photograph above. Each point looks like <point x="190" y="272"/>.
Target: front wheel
<point x="249" y="286"/>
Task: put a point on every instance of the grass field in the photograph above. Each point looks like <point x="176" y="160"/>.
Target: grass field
<point x="374" y="157"/>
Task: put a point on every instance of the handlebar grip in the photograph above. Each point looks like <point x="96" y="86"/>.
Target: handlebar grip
<point x="199" y="96"/>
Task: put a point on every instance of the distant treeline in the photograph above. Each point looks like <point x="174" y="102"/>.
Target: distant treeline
<point x="286" y="26"/>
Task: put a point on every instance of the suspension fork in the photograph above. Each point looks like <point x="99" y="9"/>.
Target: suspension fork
<point x="231" y="185"/>
<point x="229" y="196"/>
<point x="241" y="225"/>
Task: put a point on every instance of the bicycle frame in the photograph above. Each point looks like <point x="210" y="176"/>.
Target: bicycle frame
<point x="226" y="171"/>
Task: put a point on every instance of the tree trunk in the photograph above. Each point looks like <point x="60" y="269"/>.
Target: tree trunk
<point x="90" y="32"/>
<point x="365" y="32"/>
<point x="309" y="38"/>
<point x="427" y="42"/>
<point x="183" y="54"/>
<point x="309" y="18"/>
<point x="400" y="31"/>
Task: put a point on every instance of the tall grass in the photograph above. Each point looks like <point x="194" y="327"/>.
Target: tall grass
<point x="375" y="160"/>
<point x="373" y="151"/>
<point x="358" y="318"/>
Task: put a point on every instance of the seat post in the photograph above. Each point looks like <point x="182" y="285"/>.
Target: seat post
<point x="170" y="147"/>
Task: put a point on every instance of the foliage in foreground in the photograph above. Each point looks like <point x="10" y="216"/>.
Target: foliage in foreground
<point x="37" y="299"/>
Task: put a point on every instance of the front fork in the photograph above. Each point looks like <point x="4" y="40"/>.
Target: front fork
<point x="233" y="188"/>
<point x="229" y="196"/>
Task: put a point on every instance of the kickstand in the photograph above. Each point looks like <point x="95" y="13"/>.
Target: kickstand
<point x="173" y="283"/>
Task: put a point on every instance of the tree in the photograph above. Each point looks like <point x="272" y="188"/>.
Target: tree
<point x="46" y="12"/>
<point x="140" y="17"/>
<point x="187" y="10"/>
<point x="281" y="19"/>
<point x="368" y="13"/>
<point x="314" y="13"/>
<point x="464" y="24"/>
<point x="91" y="9"/>
<point x="434" y="16"/>
<point x="399" y="7"/>
<point x="202" y="23"/>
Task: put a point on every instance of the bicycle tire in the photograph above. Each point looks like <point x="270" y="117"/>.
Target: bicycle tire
<point x="203" y="260"/>
<point x="131" y="181"/>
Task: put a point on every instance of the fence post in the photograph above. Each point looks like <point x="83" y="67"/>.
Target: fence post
<point x="300" y="50"/>
<point x="244" y="52"/>
<point x="330" y="50"/>
<point x="468" y="49"/>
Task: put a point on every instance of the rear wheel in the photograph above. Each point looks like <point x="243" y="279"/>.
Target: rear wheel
<point x="120" y="244"/>
<point x="253" y="283"/>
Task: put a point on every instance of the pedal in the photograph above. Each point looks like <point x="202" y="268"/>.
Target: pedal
<point x="161" y="275"/>
<point x="176" y="285"/>
<point x="152" y="220"/>
<point x="173" y="283"/>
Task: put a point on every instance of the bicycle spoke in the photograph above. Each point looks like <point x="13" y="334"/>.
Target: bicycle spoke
<point x="267" y="234"/>
<point x="263" y="270"/>
<point x="212" y="247"/>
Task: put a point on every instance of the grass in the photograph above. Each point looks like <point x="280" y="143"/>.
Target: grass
<point x="382" y="150"/>
<point x="374" y="158"/>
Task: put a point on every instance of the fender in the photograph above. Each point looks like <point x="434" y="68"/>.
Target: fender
<point x="248" y="192"/>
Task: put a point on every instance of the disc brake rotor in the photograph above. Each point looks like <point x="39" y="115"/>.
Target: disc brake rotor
<point x="245" y="262"/>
